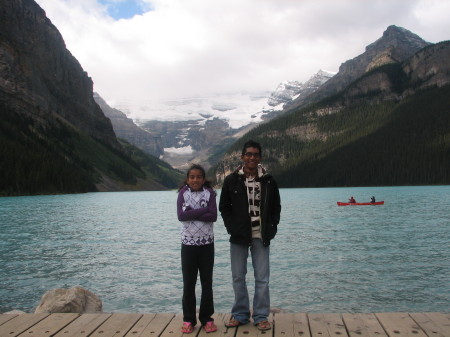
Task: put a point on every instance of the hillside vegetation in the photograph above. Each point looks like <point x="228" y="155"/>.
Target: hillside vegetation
<point x="54" y="137"/>
<point x="370" y="143"/>
<point x="52" y="157"/>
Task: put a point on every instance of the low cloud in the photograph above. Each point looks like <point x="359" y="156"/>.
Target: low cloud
<point x="182" y="48"/>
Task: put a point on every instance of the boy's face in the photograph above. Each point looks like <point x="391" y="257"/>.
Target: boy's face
<point x="251" y="158"/>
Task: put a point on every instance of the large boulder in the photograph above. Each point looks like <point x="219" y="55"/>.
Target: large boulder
<point x="73" y="300"/>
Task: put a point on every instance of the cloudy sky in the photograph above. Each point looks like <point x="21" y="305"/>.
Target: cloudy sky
<point x="152" y="49"/>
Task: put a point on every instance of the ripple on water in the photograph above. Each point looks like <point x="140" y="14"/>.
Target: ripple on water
<point x="125" y="248"/>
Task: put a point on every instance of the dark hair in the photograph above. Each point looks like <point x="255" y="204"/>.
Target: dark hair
<point x="251" y="143"/>
<point x="207" y="183"/>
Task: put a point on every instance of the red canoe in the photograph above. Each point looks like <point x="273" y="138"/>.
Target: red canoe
<point x="359" y="203"/>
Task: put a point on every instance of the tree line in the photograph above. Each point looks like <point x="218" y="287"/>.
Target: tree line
<point x="51" y="157"/>
<point x="388" y="143"/>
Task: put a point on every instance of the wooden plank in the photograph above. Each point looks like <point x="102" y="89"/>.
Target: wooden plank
<point x="434" y="324"/>
<point x="363" y="325"/>
<point x="327" y="325"/>
<point x="84" y="325"/>
<point x="140" y="325"/>
<point x="284" y="325"/>
<point x="50" y="325"/>
<point x="247" y="330"/>
<point x="6" y="317"/>
<point x="250" y="330"/>
<point x="117" y="325"/>
<point x="291" y="325"/>
<point x="222" y="330"/>
<point x="400" y="324"/>
<point x="173" y="329"/>
<point x="19" y="324"/>
<point x="150" y="325"/>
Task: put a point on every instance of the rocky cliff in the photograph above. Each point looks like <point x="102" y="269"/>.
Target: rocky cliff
<point x="203" y="139"/>
<point x="125" y="128"/>
<point x="429" y="67"/>
<point x="40" y="77"/>
<point x="284" y="92"/>
<point x="396" y="45"/>
<point x="54" y="138"/>
<point x="289" y="92"/>
<point x="393" y="102"/>
<point x="191" y="141"/>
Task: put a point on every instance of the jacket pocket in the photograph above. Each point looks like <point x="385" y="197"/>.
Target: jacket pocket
<point x="271" y="231"/>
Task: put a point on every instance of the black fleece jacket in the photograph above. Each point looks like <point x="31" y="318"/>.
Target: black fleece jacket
<point x="233" y="206"/>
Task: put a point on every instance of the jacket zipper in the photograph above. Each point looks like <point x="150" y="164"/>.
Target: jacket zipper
<point x="263" y="227"/>
<point x="250" y="224"/>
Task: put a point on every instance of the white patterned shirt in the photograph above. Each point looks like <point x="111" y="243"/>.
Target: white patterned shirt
<point x="197" y="211"/>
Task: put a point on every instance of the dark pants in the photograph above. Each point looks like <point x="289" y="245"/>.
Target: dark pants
<point x="196" y="259"/>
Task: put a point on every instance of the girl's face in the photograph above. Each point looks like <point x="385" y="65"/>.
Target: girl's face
<point x="195" y="179"/>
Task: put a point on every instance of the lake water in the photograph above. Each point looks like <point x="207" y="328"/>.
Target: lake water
<point x="125" y="248"/>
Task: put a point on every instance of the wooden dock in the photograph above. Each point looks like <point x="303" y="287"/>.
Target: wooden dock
<point x="396" y="324"/>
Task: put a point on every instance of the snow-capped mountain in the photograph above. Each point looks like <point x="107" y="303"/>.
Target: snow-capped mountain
<point x="316" y="81"/>
<point x="284" y="92"/>
<point x="193" y="129"/>
<point x="311" y="85"/>
<point x="237" y="109"/>
<point x="288" y="91"/>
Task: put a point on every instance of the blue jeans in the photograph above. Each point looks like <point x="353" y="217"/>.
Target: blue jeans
<point x="261" y="268"/>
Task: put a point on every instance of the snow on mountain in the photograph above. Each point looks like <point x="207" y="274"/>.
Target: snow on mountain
<point x="191" y="128"/>
<point x="288" y="91"/>
<point x="319" y="78"/>
<point x="237" y="109"/>
<point x="284" y="92"/>
<point x="185" y="150"/>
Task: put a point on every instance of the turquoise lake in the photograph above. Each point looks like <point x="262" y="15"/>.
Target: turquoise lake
<point x="125" y="247"/>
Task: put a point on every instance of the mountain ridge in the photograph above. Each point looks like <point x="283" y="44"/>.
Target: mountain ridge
<point x="387" y="127"/>
<point x="34" y="83"/>
<point x="202" y="137"/>
<point x="395" y="45"/>
<point x="125" y="128"/>
<point x="54" y="137"/>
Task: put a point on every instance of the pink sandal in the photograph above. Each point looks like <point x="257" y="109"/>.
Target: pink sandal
<point x="187" y="327"/>
<point x="210" y="327"/>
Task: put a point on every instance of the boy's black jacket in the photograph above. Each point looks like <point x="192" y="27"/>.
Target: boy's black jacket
<point x="233" y="206"/>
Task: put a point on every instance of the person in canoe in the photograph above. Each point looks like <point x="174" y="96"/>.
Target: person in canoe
<point x="351" y="200"/>
<point x="372" y="199"/>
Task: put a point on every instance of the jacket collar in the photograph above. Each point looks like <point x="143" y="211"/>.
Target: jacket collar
<point x="261" y="171"/>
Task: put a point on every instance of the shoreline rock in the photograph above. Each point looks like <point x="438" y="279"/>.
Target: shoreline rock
<point x="14" y="312"/>
<point x="73" y="300"/>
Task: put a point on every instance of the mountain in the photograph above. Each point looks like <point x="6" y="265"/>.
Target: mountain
<point x="291" y="91"/>
<point x="200" y="129"/>
<point x="39" y="75"/>
<point x="389" y="125"/>
<point x="54" y="138"/>
<point x="125" y="128"/>
<point x="396" y="45"/>
<point x="284" y="93"/>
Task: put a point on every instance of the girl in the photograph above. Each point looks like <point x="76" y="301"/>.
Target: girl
<point x="197" y="211"/>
